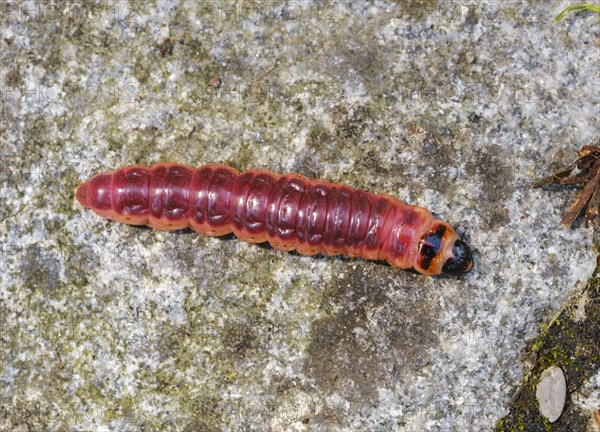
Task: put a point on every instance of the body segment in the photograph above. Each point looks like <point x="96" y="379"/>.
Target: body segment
<point x="290" y="211"/>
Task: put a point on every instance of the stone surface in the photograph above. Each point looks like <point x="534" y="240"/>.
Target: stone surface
<point x="569" y="342"/>
<point x="551" y="393"/>
<point x="587" y="398"/>
<point x="454" y="106"/>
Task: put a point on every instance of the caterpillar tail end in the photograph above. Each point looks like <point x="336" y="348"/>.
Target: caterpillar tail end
<point x="462" y="260"/>
<point x="81" y="194"/>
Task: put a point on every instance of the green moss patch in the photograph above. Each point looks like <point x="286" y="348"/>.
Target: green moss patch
<point x="571" y="342"/>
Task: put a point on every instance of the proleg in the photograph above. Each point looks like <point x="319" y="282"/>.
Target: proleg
<point x="290" y="211"/>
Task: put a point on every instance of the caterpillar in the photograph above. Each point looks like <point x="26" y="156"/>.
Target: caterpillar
<point x="290" y="211"/>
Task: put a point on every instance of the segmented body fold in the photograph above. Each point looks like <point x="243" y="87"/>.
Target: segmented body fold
<point x="290" y="211"/>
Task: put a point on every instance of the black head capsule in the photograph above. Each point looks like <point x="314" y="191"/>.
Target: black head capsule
<point x="462" y="260"/>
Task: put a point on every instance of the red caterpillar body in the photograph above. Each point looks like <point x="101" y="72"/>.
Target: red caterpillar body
<point x="289" y="211"/>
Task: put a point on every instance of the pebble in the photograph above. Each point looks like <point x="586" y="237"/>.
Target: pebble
<point x="551" y="393"/>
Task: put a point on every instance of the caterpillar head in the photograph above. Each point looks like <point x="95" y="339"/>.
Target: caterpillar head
<point x="461" y="261"/>
<point x="440" y="250"/>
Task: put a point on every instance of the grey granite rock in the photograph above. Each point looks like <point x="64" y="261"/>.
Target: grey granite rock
<point x="587" y="399"/>
<point x="455" y="106"/>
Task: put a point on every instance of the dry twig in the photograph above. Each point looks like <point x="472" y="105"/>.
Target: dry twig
<point x="587" y="171"/>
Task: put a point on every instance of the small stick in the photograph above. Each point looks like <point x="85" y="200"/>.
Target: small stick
<point x="582" y="199"/>
<point x="588" y="173"/>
